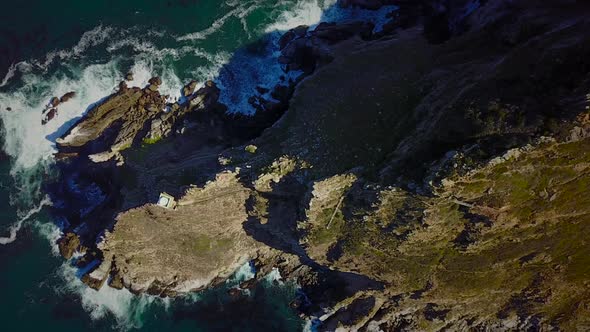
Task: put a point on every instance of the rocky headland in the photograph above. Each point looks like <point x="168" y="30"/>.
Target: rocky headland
<point x="430" y="176"/>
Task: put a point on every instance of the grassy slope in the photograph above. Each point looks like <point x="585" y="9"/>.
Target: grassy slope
<point x="528" y="254"/>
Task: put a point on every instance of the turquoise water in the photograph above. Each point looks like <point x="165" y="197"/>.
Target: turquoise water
<point x="48" y="48"/>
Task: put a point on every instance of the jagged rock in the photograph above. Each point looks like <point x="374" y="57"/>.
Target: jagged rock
<point x="64" y="155"/>
<point x="54" y="101"/>
<point x="116" y="280"/>
<point x="292" y="34"/>
<point x="102" y="156"/>
<point x="123" y="86"/>
<point x="332" y="33"/>
<point x="155" y="81"/>
<point x="52" y="113"/>
<point x="282" y="93"/>
<point x="97" y="278"/>
<point x="129" y="76"/>
<point x="188" y="89"/>
<point x="579" y="133"/>
<point x="234" y="292"/>
<point x="397" y="236"/>
<point x="68" y="244"/>
<point x="67" y="96"/>
<point x="205" y="97"/>
<point x="248" y="284"/>
<point x="301" y="52"/>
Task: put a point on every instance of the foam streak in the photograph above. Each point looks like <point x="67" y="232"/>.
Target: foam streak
<point x="19" y="224"/>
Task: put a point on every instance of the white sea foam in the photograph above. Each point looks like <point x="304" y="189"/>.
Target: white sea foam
<point x="126" y="307"/>
<point x="214" y="27"/>
<point x="312" y="12"/>
<point x="52" y="233"/>
<point x="9" y="74"/>
<point x="311" y="324"/>
<point x="31" y="144"/>
<point x="308" y="12"/>
<point x="89" y="39"/>
<point x="143" y="70"/>
<point x="274" y="276"/>
<point x="27" y="140"/>
<point x="17" y="226"/>
<point x="245" y="272"/>
<point x="244" y="71"/>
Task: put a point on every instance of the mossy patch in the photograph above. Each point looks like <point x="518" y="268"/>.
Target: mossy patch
<point x="151" y="140"/>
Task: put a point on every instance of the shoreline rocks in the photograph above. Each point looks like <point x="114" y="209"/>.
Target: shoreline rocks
<point x="371" y="245"/>
<point x="68" y="244"/>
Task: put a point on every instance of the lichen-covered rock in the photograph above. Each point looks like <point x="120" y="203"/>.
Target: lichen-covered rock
<point x="275" y="172"/>
<point x="324" y="218"/>
<point x="186" y="248"/>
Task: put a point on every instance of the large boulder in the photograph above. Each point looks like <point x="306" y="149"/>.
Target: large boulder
<point x="67" y="96"/>
<point x="292" y="34"/>
<point x="68" y="244"/>
<point x="154" y="83"/>
<point x="54" y="101"/>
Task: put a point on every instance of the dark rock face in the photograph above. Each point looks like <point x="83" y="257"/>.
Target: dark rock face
<point x="189" y="88"/>
<point x="295" y="33"/>
<point x="301" y="51"/>
<point x="49" y="115"/>
<point x="67" y="96"/>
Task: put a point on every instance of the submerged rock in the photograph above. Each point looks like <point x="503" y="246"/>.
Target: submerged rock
<point x="54" y="101"/>
<point x="52" y="113"/>
<point x="67" y="96"/>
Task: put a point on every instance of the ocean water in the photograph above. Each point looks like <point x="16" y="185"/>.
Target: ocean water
<point x="48" y="48"/>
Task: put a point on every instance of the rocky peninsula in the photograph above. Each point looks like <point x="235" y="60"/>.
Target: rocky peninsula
<point x="429" y="176"/>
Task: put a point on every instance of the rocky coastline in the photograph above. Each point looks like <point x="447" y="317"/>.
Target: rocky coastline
<point x="385" y="197"/>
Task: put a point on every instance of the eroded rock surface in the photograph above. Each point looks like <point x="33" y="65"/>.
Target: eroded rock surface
<point x="166" y="251"/>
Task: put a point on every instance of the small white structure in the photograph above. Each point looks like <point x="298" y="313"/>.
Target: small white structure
<point x="166" y="201"/>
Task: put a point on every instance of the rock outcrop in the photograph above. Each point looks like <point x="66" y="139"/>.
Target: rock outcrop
<point x="68" y="244"/>
<point x="130" y="116"/>
<point x="410" y="183"/>
<point x="163" y="251"/>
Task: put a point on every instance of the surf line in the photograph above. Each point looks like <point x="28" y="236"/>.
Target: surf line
<point x="19" y="224"/>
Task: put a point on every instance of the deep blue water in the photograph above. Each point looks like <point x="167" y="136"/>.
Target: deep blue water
<point x="48" y="48"/>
